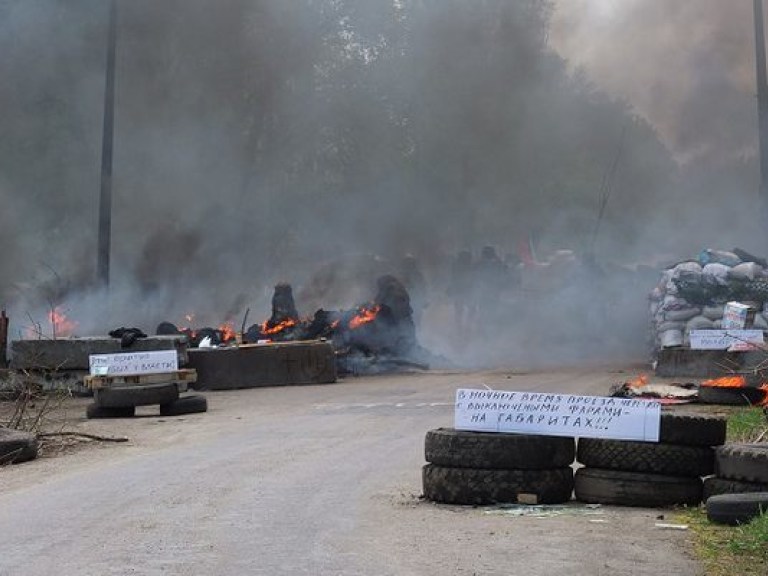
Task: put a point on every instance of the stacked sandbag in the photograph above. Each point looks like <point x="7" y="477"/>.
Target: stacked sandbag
<point x="691" y="295"/>
<point x="667" y="473"/>
<point x="490" y="468"/>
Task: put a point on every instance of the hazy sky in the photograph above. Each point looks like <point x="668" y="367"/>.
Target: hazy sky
<point x="685" y="65"/>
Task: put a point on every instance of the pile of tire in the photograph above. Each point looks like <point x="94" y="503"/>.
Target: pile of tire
<point x="121" y="401"/>
<point x="477" y="468"/>
<point x="739" y="468"/>
<point x="667" y="473"/>
<point x="739" y="490"/>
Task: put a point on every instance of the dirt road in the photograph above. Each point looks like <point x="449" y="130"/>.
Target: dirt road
<point x="305" y="480"/>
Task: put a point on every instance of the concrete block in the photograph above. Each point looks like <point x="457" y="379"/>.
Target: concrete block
<point x="686" y="363"/>
<point x="260" y="365"/>
<point x="72" y="353"/>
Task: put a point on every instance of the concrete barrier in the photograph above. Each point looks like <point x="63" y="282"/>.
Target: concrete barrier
<point x="73" y="353"/>
<point x="260" y="365"/>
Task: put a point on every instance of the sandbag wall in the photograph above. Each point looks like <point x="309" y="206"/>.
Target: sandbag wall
<point x="691" y="295"/>
<point x="486" y="468"/>
<point x="666" y="473"/>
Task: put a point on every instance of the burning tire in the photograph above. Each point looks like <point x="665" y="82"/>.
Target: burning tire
<point x="714" y="486"/>
<point x="645" y="457"/>
<point x="731" y="396"/>
<point x="478" y="486"/>
<point x="748" y="462"/>
<point x="17" y="446"/>
<point x="126" y="396"/>
<point x="461" y="449"/>
<point x="598" y="486"/>
<point x="94" y="411"/>
<point x="692" y="429"/>
<point x="734" y="509"/>
<point x="192" y="404"/>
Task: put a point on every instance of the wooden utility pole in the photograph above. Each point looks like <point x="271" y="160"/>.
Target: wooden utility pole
<point x="762" y="101"/>
<point x="107" y="141"/>
<point x="3" y="339"/>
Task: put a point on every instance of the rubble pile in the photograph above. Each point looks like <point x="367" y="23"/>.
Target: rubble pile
<point x="692" y="295"/>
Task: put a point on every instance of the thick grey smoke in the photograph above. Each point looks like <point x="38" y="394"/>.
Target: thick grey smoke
<point x="317" y="142"/>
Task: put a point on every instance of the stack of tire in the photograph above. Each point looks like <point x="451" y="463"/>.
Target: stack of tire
<point x="488" y="468"/>
<point x="739" y="490"/>
<point x="121" y="401"/>
<point x="667" y="473"/>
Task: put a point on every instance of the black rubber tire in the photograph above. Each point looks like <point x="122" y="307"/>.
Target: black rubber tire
<point x="734" y="509"/>
<point x="692" y="429"/>
<point x="747" y="462"/>
<point x="475" y="486"/>
<point x="121" y="396"/>
<point x="192" y="404"/>
<point x="596" y="486"/>
<point x="742" y="396"/>
<point x="714" y="486"/>
<point x="94" y="411"/>
<point x="461" y="449"/>
<point x="646" y="457"/>
<point x="17" y="446"/>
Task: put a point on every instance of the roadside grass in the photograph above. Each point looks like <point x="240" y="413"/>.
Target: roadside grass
<point x="748" y="425"/>
<point x="729" y="550"/>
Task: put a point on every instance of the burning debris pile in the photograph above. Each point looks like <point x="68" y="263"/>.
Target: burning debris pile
<point x="692" y="296"/>
<point x="378" y="336"/>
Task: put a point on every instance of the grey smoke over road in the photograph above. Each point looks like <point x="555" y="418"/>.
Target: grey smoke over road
<point x="316" y="142"/>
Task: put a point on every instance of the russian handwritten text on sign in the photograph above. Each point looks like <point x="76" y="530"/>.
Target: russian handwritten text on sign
<point x="134" y="363"/>
<point x="557" y="415"/>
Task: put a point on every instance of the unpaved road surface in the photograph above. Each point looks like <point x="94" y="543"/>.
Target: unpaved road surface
<point x="319" y="480"/>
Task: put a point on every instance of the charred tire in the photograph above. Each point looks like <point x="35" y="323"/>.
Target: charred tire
<point x="743" y="462"/>
<point x="122" y="396"/>
<point x="17" y="446"/>
<point x="476" y="486"/>
<point x="667" y="459"/>
<point x="460" y="449"/>
<point x="714" y="486"/>
<point x="736" y="509"/>
<point x="192" y="404"/>
<point x="692" y="429"/>
<point x="95" y="411"/>
<point x="596" y="486"/>
<point x="741" y="396"/>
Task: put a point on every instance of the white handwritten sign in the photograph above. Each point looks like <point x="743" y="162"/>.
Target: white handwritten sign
<point x="726" y="339"/>
<point x="557" y="415"/>
<point x="134" y="363"/>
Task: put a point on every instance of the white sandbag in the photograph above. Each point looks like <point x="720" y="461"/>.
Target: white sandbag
<point x="666" y="326"/>
<point x="746" y="271"/>
<point x="716" y="273"/>
<point x="699" y="323"/>
<point x="671" y="338"/>
<point x="681" y="315"/>
<point x="713" y="312"/>
<point x="686" y="269"/>
<point x="709" y="256"/>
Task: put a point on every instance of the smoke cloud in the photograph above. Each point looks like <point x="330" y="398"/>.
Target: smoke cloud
<point x="317" y="142"/>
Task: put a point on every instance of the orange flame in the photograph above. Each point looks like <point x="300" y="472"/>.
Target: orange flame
<point x="764" y="401"/>
<point x="227" y="330"/>
<point x="639" y="382"/>
<point x="726" y="382"/>
<point x="277" y="328"/>
<point x="364" y="316"/>
<point x="62" y="326"/>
